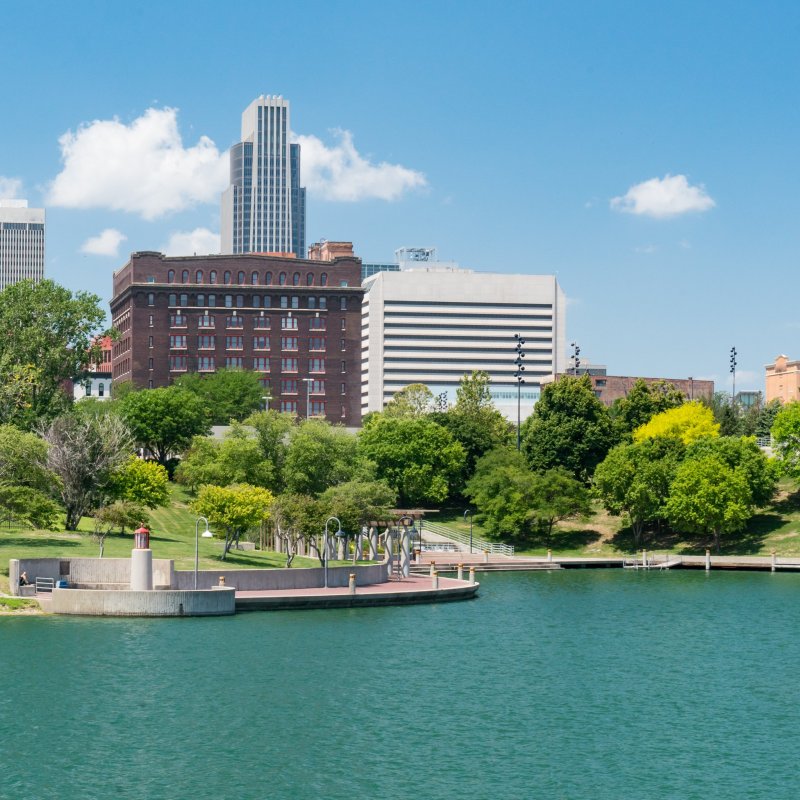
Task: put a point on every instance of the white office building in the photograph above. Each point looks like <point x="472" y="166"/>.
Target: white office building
<point x="264" y="208"/>
<point x="21" y="242"/>
<point x="431" y="324"/>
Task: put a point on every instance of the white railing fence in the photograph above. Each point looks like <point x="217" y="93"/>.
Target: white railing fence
<point x="462" y="539"/>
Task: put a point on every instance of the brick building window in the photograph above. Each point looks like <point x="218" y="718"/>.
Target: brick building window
<point x="234" y="322"/>
<point x="261" y="343"/>
<point x="206" y="321"/>
<point x="342" y="344"/>
<point x="323" y="303"/>
<point x="261" y="364"/>
<point x="289" y="342"/>
<point x="151" y="299"/>
<point x="289" y="365"/>
<point x="342" y="304"/>
<point x="178" y="342"/>
<point x="212" y="276"/>
<point x="317" y="324"/>
<point x="177" y="320"/>
<point x="289" y="406"/>
<point x="261" y="323"/>
<point x="316" y="387"/>
<point x="206" y="342"/>
<point x="288" y="323"/>
<point x="317" y="408"/>
<point x="312" y="302"/>
<point x="206" y="364"/>
<point x="316" y="343"/>
<point x="316" y="365"/>
<point x="289" y="387"/>
<point x="234" y="342"/>
<point x="234" y="362"/>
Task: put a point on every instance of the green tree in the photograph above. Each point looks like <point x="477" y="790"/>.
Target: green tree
<point x="744" y="454"/>
<point x="413" y="400"/>
<point x="727" y="416"/>
<point x="643" y="402"/>
<point x="119" y="515"/>
<point x="235" y="509"/>
<point x="142" y="483"/>
<point x="296" y="518"/>
<point x="473" y="395"/>
<point x="557" y="496"/>
<point x="238" y="458"/>
<point x="84" y="451"/>
<point x="24" y="505"/>
<point x="687" y="422"/>
<point x="272" y="430"/>
<point x="164" y="421"/>
<point x="228" y="394"/>
<point x="708" y="497"/>
<point x="504" y="492"/>
<point x="23" y="459"/>
<point x="786" y="439"/>
<point x="321" y="455"/>
<point x="357" y="503"/>
<point x="766" y="418"/>
<point x="569" y="428"/>
<point x="634" y="480"/>
<point x="47" y="339"/>
<point x="419" y="459"/>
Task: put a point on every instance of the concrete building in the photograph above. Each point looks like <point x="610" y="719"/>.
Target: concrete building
<point x="21" y="242"/>
<point x="782" y="380"/>
<point x="609" y="388"/>
<point x="433" y="322"/>
<point x="296" y="322"/>
<point x="264" y="208"/>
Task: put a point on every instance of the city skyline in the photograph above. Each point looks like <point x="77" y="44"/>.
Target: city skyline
<point x="643" y="155"/>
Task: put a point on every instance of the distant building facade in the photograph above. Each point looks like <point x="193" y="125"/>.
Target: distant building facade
<point x="296" y="322"/>
<point x="264" y="208"/>
<point x="96" y="382"/>
<point x="22" y="239"/>
<point x="608" y="388"/>
<point x="782" y="380"/>
<point x="434" y="323"/>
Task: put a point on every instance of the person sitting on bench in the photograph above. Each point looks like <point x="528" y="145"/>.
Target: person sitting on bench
<point x="23" y="579"/>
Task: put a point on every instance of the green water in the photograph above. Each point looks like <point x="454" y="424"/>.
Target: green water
<point x="577" y="684"/>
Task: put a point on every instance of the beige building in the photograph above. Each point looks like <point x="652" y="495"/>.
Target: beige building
<point x="783" y="380"/>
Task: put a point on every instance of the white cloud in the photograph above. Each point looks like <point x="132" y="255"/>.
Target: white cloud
<point x="200" y="241"/>
<point x="104" y="244"/>
<point x="142" y="168"/>
<point x="647" y="249"/>
<point x="663" y="197"/>
<point x="10" y="188"/>
<point x="341" y="173"/>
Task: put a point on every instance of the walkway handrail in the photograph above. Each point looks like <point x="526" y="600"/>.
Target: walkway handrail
<point x="478" y="545"/>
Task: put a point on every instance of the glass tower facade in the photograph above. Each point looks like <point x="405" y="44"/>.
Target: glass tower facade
<point x="263" y="209"/>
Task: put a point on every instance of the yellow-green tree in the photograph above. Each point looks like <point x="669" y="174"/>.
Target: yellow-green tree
<point x="688" y="422"/>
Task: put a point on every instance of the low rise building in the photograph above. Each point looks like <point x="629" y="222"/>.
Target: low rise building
<point x="782" y="380"/>
<point x="96" y="382"/>
<point x="608" y="388"/>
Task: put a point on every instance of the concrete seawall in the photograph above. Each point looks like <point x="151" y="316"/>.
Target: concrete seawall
<point x="281" y="579"/>
<point x="125" y="603"/>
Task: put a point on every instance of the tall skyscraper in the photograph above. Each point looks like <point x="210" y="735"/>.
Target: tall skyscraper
<point x="264" y="208"/>
<point x="21" y="242"/>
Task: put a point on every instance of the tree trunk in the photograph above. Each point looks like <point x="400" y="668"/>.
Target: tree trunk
<point x="73" y="518"/>
<point x="716" y="540"/>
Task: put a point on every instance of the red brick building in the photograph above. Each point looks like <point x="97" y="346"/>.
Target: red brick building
<point x="609" y="388"/>
<point x="296" y="322"/>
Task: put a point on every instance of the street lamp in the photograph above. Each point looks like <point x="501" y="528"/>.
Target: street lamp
<point x="733" y="372"/>
<point x="266" y="399"/>
<point x="206" y="535"/>
<point x="308" y="395"/>
<point x="691" y="388"/>
<point x="520" y="380"/>
<point x="576" y="361"/>
<point x="325" y="544"/>
<point x="470" y="527"/>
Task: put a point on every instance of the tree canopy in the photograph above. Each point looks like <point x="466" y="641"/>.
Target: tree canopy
<point x="228" y="394"/>
<point x="643" y="402"/>
<point x="413" y="400"/>
<point x="786" y="439"/>
<point x="141" y="482"/>
<point x="569" y="428"/>
<point x="686" y="422"/>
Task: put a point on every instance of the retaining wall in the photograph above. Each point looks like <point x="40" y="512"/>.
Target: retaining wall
<point x="88" y="573"/>
<point x="274" y="579"/>
<point x="126" y="603"/>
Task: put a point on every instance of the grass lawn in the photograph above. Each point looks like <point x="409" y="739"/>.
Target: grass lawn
<point x="172" y="535"/>
<point x="17" y="604"/>
<point x="775" y="527"/>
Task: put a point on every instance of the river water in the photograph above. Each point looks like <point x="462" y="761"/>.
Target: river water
<point x="574" y="684"/>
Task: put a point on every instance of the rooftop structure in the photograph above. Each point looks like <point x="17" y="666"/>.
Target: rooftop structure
<point x="782" y="380"/>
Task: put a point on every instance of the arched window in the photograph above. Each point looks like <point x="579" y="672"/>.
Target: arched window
<point x="312" y="302"/>
<point x="268" y="279"/>
<point x="171" y="276"/>
<point x="201" y="300"/>
<point x="227" y="277"/>
<point x="282" y="279"/>
<point x="296" y="279"/>
<point x="254" y="279"/>
<point x="323" y="279"/>
<point x="256" y="301"/>
<point x="240" y="278"/>
<point x="310" y="279"/>
<point x="212" y="276"/>
<point x="173" y="300"/>
<point x="198" y="276"/>
<point x="185" y="276"/>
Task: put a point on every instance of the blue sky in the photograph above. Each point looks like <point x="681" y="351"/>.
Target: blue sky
<point x="499" y="132"/>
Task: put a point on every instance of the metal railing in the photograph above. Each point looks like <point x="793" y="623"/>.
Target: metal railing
<point x="462" y="539"/>
<point x="764" y="441"/>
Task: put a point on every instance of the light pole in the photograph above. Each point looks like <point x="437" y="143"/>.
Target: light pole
<point x="576" y="361"/>
<point x="733" y="372"/>
<point x="307" y="382"/>
<point x="691" y="388"/>
<point x="325" y="544"/>
<point x="206" y="535"/>
<point x="520" y="380"/>
<point x="266" y="399"/>
<point x="470" y="527"/>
